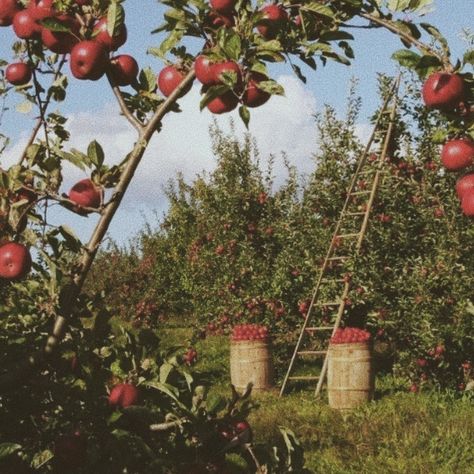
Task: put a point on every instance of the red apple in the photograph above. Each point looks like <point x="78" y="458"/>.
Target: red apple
<point x="467" y="203"/>
<point x="70" y="450"/>
<point x="457" y="154"/>
<point x="103" y="37"/>
<point x="253" y="96"/>
<point x="8" y="9"/>
<point x="243" y="430"/>
<point x="169" y="79"/>
<point x="274" y="18"/>
<point x="61" y="42"/>
<point x="123" y="395"/>
<point x="223" y="6"/>
<point x="443" y="90"/>
<point x="15" y="261"/>
<point x="123" y="70"/>
<point x="227" y="67"/>
<point x="25" y="26"/>
<point x="224" y="103"/>
<point x="42" y="8"/>
<point x="217" y="20"/>
<point x="86" y="194"/>
<point x="466" y="183"/>
<point x="18" y="74"/>
<point x="89" y="60"/>
<point x="204" y="70"/>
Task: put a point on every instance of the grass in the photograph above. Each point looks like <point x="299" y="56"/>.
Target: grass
<point x="398" y="433"/>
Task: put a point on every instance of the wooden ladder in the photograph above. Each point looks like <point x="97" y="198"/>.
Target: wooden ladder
<point x="359" y="218"/>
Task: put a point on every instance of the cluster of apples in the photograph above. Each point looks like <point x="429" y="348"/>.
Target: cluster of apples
<point x="446" y="91"/>
<point x="87" y="41"/>
<point x="274" y="17"/>
<point x="249" y="332"/>
<point x="246" y="89"/>
<point x="350" y="335"/>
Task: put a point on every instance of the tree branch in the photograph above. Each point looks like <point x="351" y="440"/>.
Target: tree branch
<point x="7" y="381"/>
<point x="43" y="106"/>
<point x="389" y="25"/>
<point x="137" y="124"/>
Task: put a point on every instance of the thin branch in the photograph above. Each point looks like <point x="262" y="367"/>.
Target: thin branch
<point x="389" y="25"/>
<point x="168" y="425"/>
<point x="43" y="106"/>
<point x="137" y="124"/>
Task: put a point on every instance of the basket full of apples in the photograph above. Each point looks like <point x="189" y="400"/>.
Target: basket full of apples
<point x="250" y="357"/>
<point x="350" y="369"/>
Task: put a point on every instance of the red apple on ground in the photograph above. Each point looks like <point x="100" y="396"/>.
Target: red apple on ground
<point x="25" y="26"/>
<point x="123" y="395"/>
<point x="86" y="194"/>
<point x="169" y="79"/>
<point x="70" y="450"/>
<point x="466" y="183"/>
<point x="224" y="103"/>
<point x="243" y="431"/>
<point x="15" y="261"/>
<point x="123" y="70"/>
<point x="103" y="37"/>
<point x="204" y="70"/>
<point x="8" y="9"/>
<point x="89" y="60"/>
<point x="223" y="6"/>
<point x="443" y="90"/>
<point x="18" y="74"/>
<point x="457" y="154"/>
<point x="61" y="42"/>
<point x="467" y="203"/>
<point x="253" y="96"/>
<point x="273" y="20"/>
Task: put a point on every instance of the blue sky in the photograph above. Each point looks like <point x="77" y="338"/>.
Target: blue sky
<point x="90" y="107"/>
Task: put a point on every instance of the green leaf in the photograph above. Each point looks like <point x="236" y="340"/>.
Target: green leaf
<point x="95" y="154"/>
<point x="230" y="43"/>
<point x="40" y="459"/>
<point x="469" y="57"/>
<point x="244" y="115"/>
<point x="72" y="241"/>
<point x="115" y="18"/>
<point x="54" y="25"/>
<point x="406" y="58"/>
<point x="6" y="449"/>
<point x="212" y="93"/>
<point x="272" y="87"/>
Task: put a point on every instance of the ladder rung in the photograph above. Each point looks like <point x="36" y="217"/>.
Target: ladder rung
<point x="315" y="353"/>
<point x="358" y="213"/>
<point x="338" y="258"/>
<point x="319" y="328"/>
<point x="304" y="377"/>
<point x="364" y="173"/>
<point x="330" y="303"/>
<point x="344" y="236"/>
<point x="358" y="193"/>
<point x="332" y="280"/>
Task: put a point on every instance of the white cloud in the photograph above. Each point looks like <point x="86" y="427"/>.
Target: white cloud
<point x="284" y="124"/>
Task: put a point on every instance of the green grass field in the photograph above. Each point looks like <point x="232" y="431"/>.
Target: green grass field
<point x="400" y="432"/>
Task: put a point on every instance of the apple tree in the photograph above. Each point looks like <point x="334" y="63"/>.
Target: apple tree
<point x="64" y="349"/>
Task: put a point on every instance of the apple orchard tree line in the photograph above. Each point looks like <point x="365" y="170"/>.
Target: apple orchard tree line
<point x="239" y="39"/>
